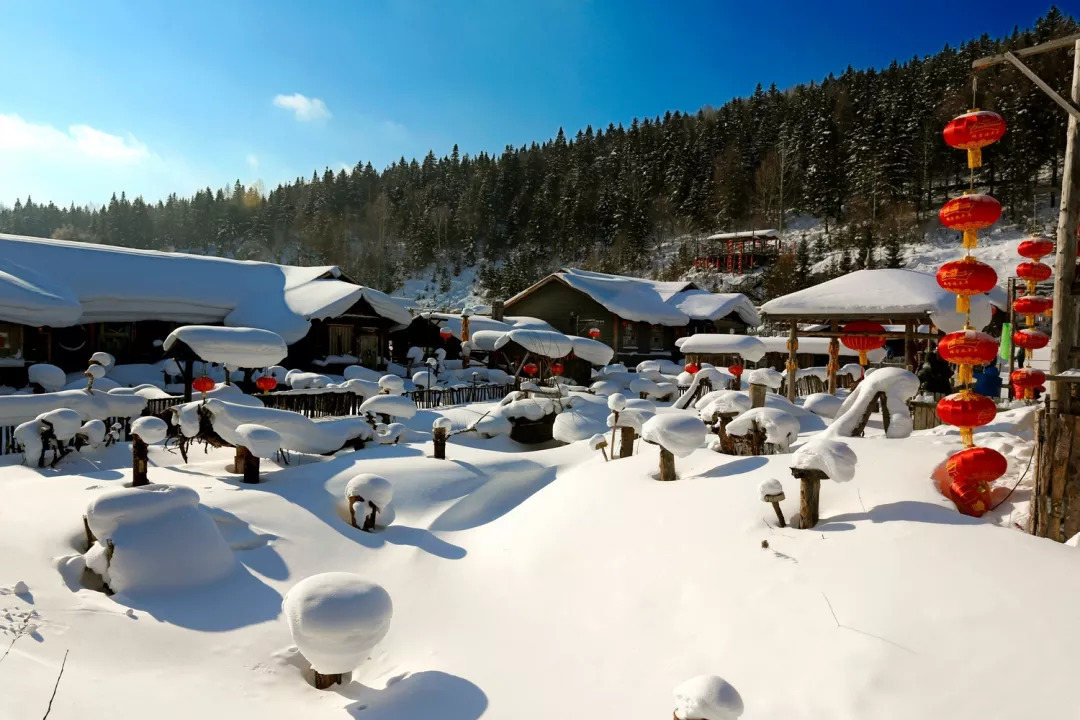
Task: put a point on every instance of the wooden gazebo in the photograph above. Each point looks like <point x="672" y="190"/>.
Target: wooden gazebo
<point x="897" y="297"/>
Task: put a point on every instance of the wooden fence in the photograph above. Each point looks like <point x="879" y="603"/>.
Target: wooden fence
<point x="9" y="445"/>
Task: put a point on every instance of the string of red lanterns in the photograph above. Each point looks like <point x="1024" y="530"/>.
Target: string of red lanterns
<point x="1026" y="381"/>
<point x="973" y="468"/>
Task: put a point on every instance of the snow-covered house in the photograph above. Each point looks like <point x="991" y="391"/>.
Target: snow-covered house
<point x="639" y="318"/>
<point x="62" y="301"/>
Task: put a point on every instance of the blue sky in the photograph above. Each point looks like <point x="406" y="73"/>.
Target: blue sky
<point x="159" y="97"/>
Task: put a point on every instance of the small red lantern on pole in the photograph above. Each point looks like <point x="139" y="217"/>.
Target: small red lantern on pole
<point x="203" y="385"/>
<point x="1030" y="339"/>
<point x="736" y="370"/>
<point x="557" y="368"/>
<point x="973" y="131"/>
<point x="1032" y="273"/>
<point x="862" y="342"/>
<point x="691" y="368"/>
<point x="969" y="214"/>
<point x="594" y="333"/>
<point x="530" y="369"/>
<point x="966" y="410"/>
<point x="1031" y="305"/>
<point x="1026" y="381"/>
<point x="266" y="383"/>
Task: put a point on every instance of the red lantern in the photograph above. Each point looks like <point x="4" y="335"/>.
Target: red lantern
<point x="1030" y="339"/>
<point x="971" y="498"/>
<point x="556" y="368"/>
<point x="973" y="131"/>
<point x="530" y="369"/>
<point x="976" y="465"/>
<point x="445" y="333"/>
<point x="1026" y="380"/>
<point x="1031" y="305"/>
<point x="1035" y="248"/>
<point x="966" y="348"/>
<point x="735" y="370"/>
<point x="862" y="343"/>
<point x="594" y="333"/>
<point x="1033" y="272"/>
<point x="203" y="384"/>
<point x="966" y="410"/>
<point x="965" y="278"/>
<point x="970" y="213"/>
<point x="266" y="383"/>
<point x="691" y="368"/>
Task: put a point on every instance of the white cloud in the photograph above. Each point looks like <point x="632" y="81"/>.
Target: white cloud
<point x="306" y="109"/>
<point x="18" y="136"/>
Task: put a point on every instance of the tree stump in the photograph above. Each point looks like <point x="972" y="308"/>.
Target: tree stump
<point x="757" y="395"/>
<point x="809" y="495"/>
<point x="438" y="436"/>
<point x="139" y="461"/>
<point x="626" y="441"/>
<point x="667" y="465"/>
<point x="246" y="464"/>
<point x="90" y="537"/>
<point x="323" y="682"/>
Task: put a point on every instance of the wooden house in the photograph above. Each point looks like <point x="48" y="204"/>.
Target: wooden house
<point x="62" y="301"/>
<point x="640" y="319"/>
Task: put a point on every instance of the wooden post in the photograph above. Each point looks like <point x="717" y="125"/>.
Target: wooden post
<point x="90" y="537"/>
<point x="439" y="437"/>
<point x="189" y="372"/>
<point x="909" y="344"/>
<point x="626" y="441"/>
<point x="834" y="356"/>
<point x="792" y="362"/>
<point x="139" y="461"/>
<point x="809" y="495"/>
<point x="324" y="682"/>
<point x="1012" y="319"/>
<point x="246" y="464"/>
<point x="1063" y="335"/>
<point x="667" y="465"/>
<point x="757" y="395"/>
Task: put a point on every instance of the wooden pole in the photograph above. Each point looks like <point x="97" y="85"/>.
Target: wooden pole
<point x="809" y="495"/>
<point x="667" y="465"/>
<point x="909" y="345"/>
<point x="626" y="442"/>
<point x="834" y="356"/>
<point x="757" y="395"/>
<point x="1012" y="350"/>
<point x="139" y="462"/>
<point x="792" y="363"/>
<point x="439" y="437"/>
<point x="1063" y="335"/>
<point x="189" y="371"/>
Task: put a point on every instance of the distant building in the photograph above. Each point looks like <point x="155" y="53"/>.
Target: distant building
<point x="738" y="252"/>
<point x="639" y="318"/>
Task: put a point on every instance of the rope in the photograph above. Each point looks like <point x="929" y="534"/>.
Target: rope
<point x="1000" y="502"/>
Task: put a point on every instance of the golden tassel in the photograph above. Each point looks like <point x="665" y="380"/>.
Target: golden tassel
<point x="1030" y="287"/>
<point x="964" y="374"/>
<point x="963" y="304"/>
<point x="1029" y="320"/>
<point x="1029" y="393"/>
<point x="863" y="360"/>
<point x="966" y="436"/>
<point x="971" y="239"/>
<point x="975" y="158"/>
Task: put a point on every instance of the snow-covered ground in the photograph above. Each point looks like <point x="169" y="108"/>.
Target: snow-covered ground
<point x="544" y="582"/>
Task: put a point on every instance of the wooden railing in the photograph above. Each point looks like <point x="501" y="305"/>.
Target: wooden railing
<point x="445" y="397"/>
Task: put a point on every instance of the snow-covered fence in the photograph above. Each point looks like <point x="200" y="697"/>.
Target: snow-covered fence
<point x="156" y="406"/>
<point x="446" y="396"/>
<point x="9" y="445"/>
<point x="805" y="385"/>
<point x="924" y="412"/>
<point x="324" y="402"/>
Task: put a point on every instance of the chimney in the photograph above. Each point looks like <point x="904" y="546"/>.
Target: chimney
<point x="497" y="310"/>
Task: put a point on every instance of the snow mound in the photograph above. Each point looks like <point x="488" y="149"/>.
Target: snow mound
<point x="679" y="434"/>
<point x="769" y="487"/>
<point x="833" y="458"/>
<point x="49" y="377"/>
<point x="104" y="359"/>
<point x="823" y="404"/>
<point x="749" y="348"/>
<point x="397" y="406"/>
<point x="723" y="402"/>
<point x="150" y="429"/>
<point x="442" y="423"/>
<point x="298" y="433"/>
<point x="94" y="432"/>
<point x="768" y="377"/>
<point x="161" y="539"/>
<point x="65" y="423"/>
<point x="781" y="428"/>
<point x="299" y="380"/>
<point x="242" y="347"/>
<point x="392" y="384"/>
<point x="707" y="697"/>
<point x="336" y="618"/>
<point x="899" y="386"/>
<point x="616" y="402"/>
<point x="260" y="440"/>
<point x="577" y="423"/>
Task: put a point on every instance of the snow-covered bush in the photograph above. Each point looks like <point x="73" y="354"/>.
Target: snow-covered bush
<point x="780" y="427"/>
<point x="707" y="697"/>
<point x="49" y="377"/>
<point x="335" y="620"/>
<point x="677" y="435"/>
<point x="52" y="430"/>
<point x="823" y="404"/>
<point x="155" y="538"/>
<point x="369" y="497"/>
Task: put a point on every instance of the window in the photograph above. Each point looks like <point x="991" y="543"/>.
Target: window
<point x="114" y="338"/>
<point x="11" y="340"/>
<point x="628" y="331"/>
<point x="657" y="341"/>
<point x="341" y="339"/>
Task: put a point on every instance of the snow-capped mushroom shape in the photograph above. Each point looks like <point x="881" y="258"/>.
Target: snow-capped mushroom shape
<point x="616" y="402"/>
<point x="442" y="423"/>
<point x="597" y="442"/>
<point x="392" y="385"/>
<point x="96" y="371"/>
<point x="424" y="379"/>
<point x="336" y="618"/>
<point x="104" y="359"/>
<point x="677" y="433"/>
<point x="160" y="539"/>
<point x="767" y="376"/>
<point x="831" y="457"/>
<point x="243" y="347"/>
<point x="260" y="440"/>
<point x="781" y="428"/>
<point x="723" y="402"/>
<point x="94" y="432"/>
<point x="769" y="489"/>
<point x="389" y="434"/>
<point x="707" y="697"/>
<point x="150" y="429"/>
<point x="369" y="498"/>
<point x="49" y="377"/>
<point x="397" y="406"/>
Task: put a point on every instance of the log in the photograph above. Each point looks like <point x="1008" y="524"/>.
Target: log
<point x="1055" y="499"/>
<point x="875" y="402"/>
<point x="139" y="461"/>
<point x="757" y="395"/>
<point x="626" y="441"/>
<point x="809" y="495"/>
<point x="667" y="465"/>
<point x="323" y="682"/>
<point x="438" y="436"/>
<point x="90" y="537"/>
<point x="250" y="464"/>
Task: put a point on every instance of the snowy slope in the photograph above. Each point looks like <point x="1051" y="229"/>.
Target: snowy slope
<point x="550" y="583"/>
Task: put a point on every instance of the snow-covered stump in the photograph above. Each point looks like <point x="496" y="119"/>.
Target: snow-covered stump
<point x="335" y="619"/>
<point x="372" y="496"/>
<point x="144" y="432"/>
<point x="256" y="441"/>
<point x="440" y="430"/>
<point x="757" y="395"/>
<point x="676" y="435"/>
<point x="626" y="441"/>
<point x="772" y="492"/>
<point x="707" y="697"/>
<point x="762" y="431"/>
<point x="819" y="459"/>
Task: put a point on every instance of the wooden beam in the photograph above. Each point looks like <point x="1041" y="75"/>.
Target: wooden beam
<point x="888" y="334"/>
<point x="1011" y="294"/>
<point x="909" y="345"/>
<point x="834" y="356"/>
<point x="792" y="361"/>
<point x="1058" y="44"/>
<point x="1069" y="107"/>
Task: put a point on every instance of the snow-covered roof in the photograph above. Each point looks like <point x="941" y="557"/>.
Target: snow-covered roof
<point x="240" y="347"/>
<point x="884" y="293"/>
<point x="745" y="346"/>
<point x="477" y="323"/>
<point x="772" y="234"/>
<point x="656" y="302"/>
<point x="58" y="283"/>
